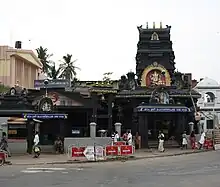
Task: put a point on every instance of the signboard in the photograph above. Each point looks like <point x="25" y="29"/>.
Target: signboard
<point x="146" y="109"/>
<point x="112" y="150"/>
<point x="94" y="153"/>
<point x="99" y="152"/>
<point x="52" y="84"/>
<point x="78" y="151"/>
<point x="44" y="116"/>
<point x="126" y="149"/>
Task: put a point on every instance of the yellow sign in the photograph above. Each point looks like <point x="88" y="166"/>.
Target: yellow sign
<point x="155" y="74"/>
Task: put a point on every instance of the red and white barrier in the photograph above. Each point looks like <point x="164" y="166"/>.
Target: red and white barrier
<point x="76" y="153"/>
<point x="119" y="150"/>
<point x="98" y="152"/>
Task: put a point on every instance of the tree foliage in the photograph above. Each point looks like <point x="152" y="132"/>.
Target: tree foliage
<point x="44" y="57"/>
<point x="68" y="68"/>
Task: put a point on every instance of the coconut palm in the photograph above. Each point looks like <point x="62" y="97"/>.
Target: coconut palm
<point x="44" y="58"/>
<point x="53" y="72"/>
<point x="68" y="68"/>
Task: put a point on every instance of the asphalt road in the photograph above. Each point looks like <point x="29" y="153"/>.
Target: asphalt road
<point x="197" y="170"/>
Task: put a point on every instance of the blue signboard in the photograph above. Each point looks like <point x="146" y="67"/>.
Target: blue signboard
<point x="145" y="109"/>
<point x="45" y="116"/>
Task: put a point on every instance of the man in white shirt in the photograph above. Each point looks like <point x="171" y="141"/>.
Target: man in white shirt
<point x="36" y="139"/>
<point x="161" y="138"/>
<point x="116" y="137"/>
<point x="129" y="138"/>
<point x="202" y="140"/>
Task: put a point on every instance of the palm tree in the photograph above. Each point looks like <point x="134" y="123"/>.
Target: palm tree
<point x="53" y="72"/>
<point x="67" y="68"/>
<point x="44" y="58"/>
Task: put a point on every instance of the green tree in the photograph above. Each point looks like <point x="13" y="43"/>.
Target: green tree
<point x="4" y="88"/>
<point x="68" y="68"/>
<point x="107" y="77"/>
<point x="53" y="72"/>
<point x="44" y="56"/>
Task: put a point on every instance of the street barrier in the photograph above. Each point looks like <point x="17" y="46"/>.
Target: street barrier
<point x="112" y="150"/>
<point x="96" y="153"/>
<point x="119" y="150"/>
<point x="127" y="150"/>
<point x="76" y="152"/>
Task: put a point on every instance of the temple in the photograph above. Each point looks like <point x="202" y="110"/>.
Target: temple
<point x="155" y="97"/>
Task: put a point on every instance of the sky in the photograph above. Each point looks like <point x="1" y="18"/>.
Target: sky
<point x="103" y="35"/>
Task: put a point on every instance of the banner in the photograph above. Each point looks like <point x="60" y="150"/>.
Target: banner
<point x="127" y="150"/>
<point x="78" y="151"/>
<point x="112" y="150"/>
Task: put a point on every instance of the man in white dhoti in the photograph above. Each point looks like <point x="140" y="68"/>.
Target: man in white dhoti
<point x="184" y="140"/>
<point x="202" y="140"/>
<point x="161" y="138"/>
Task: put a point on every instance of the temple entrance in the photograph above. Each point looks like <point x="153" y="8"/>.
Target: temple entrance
<point x="172" y="120"/>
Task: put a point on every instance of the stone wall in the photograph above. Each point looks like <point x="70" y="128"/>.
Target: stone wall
<point x="99" y="141"/>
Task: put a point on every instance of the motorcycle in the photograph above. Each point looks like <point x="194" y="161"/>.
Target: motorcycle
<point x="3" y="158"/>
<point x="37" y="151"/>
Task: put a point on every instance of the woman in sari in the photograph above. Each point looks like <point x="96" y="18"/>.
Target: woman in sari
<point x="193" y="140"/>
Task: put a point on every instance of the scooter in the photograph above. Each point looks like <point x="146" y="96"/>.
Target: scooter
<point x="37" y="151"/>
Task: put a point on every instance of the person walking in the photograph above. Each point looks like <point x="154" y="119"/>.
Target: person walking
<point x="184" y="140"/>
<point x="192" y="139"/>
<point x="4" y="144"/>
<point x="36" y="139"/>
<point x="161" y="139"/>
<point x="202" y="140"/>
<point x="129" y="138"/>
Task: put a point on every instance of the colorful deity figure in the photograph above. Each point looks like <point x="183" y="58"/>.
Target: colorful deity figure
<point x="155" y="78"/>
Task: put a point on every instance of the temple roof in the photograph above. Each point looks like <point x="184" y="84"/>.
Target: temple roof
<point x="148" y="92"/>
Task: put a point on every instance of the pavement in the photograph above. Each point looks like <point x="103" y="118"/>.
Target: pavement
<point x="64" y="159"/>
<point x="197" y="170"/>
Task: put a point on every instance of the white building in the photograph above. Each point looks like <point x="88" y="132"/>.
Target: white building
<point x="209" y="103"/>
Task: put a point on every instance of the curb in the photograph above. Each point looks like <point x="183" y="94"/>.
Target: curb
<point x="132" y="158"/>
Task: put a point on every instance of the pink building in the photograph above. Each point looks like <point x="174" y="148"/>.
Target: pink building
<point x="18" y="65"/>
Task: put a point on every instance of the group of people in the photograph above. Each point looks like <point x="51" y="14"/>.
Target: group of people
<point x="192" y="139"/>
<point x="127" y="137"/>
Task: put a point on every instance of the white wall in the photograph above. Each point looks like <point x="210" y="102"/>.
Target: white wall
<point x="211" y="106"/>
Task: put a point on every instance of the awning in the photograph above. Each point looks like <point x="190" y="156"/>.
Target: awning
<point x="162" y="108"/>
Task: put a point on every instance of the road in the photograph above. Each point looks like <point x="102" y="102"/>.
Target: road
<point x="197" y="170"/>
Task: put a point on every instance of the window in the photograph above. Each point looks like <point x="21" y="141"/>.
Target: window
<point x="209" y="97"/>
<point x="210" y="124"/>
<point x="17" y="131"/>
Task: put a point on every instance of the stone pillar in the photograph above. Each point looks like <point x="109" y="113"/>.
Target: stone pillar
<point x="191" y="127"/>
<point x="30" y="125"/>
<point x="118" y="128"/>
<point x="110" y="100"/>
<point x="95" y="105"/>
<point x="92" y="129"/>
